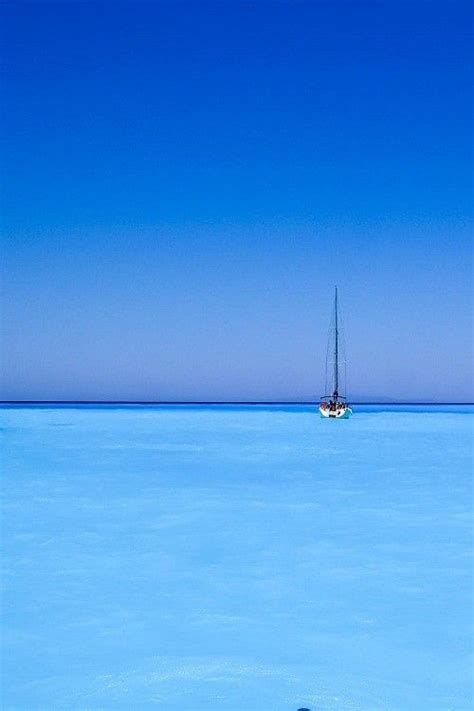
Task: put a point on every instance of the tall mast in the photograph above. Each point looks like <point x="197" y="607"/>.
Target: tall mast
<point x="336" y="349"/>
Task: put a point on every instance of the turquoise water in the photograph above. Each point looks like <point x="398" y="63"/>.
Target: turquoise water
<point x="237" y="558"/>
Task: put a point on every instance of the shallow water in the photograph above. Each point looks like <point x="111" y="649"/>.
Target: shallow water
<point x="237" y="558"/>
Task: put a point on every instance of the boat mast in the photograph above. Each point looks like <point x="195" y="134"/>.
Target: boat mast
<point x="336" y="349"/>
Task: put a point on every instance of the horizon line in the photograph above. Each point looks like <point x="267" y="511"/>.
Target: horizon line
<point x="219" y="402"/>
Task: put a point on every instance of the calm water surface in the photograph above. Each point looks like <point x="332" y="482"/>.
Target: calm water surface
<point x="237" y="558"/>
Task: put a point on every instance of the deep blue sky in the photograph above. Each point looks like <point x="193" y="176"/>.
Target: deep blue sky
<point x="184" y="183"/>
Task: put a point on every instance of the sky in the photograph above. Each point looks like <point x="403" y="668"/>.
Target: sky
<point x="183" y="184"/>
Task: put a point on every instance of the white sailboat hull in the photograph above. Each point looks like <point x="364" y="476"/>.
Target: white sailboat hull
<point x="337" y="415"/>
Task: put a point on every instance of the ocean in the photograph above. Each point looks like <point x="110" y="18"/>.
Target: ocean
<point x="237" y="558"/>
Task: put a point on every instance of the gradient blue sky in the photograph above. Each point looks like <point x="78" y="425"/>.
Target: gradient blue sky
<point x="184" y="183"/>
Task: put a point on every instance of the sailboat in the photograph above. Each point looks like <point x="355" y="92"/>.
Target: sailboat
<point x="335" y="405"/>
